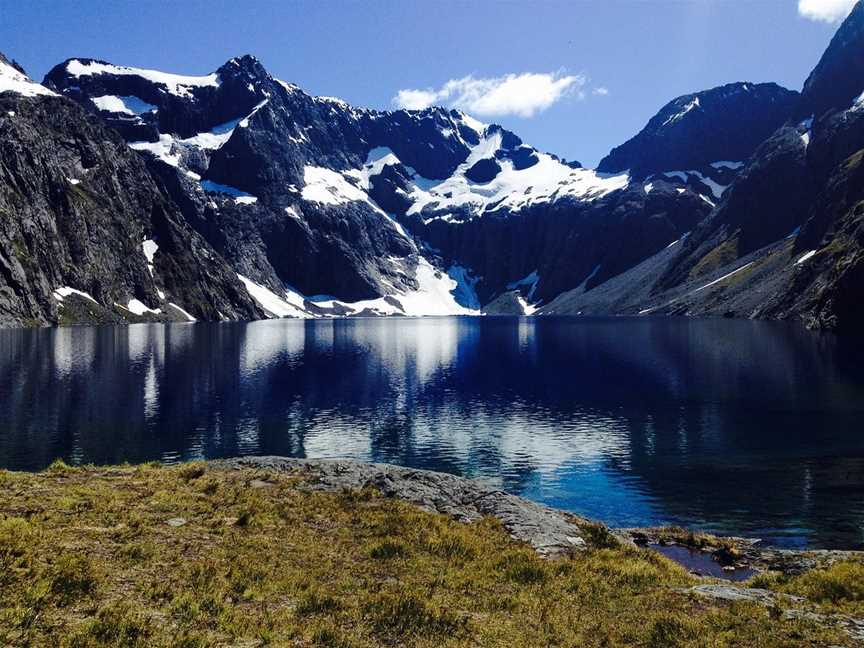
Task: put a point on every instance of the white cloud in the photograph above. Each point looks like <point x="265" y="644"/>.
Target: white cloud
<point x="513" y="94"/>
<point x="414" y="99"/>
<point x="600" y="92"/>
<point x="830" y="11"/>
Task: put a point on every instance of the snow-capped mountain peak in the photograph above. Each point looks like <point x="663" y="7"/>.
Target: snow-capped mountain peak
<point x="14" y="79"/>
<point x="357" y="204"/>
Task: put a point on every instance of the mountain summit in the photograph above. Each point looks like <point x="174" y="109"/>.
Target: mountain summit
<point x="311" y="207"/>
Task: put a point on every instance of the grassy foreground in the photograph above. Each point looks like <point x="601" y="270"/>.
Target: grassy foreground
<point x="191" y="556"/>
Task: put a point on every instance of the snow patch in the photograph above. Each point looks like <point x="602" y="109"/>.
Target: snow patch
<point x="805" y="257"/>
<point x="686" y="109"/>
<point x="716" y="188"/>
<point x="290" y="87"/>
<point x="329" y="187"/>
<point x="336" y="101"/>
<point x="11" y="80"/>
<point x="547" y="180"/>
<point x="138" y="308"/>
<point x="474" y="124"/>
<point x="271" y="302"/>
<point x="726" y="164"/>
<point x="434" y="296"/>
<point x="806" y="127"/>
<point x="65" y="291"/>
<point x="240" y="197"/>
<point x="73" y="181"/>
<point x="512" y="189"/>
<point x="188" y="316"/>
<point x="164" y="149"/>
<point x="527" y="309"/>
<point x="215" y="138"/>
<point x="176" y="84"/>
<point x="244" y="123"/>
<point x="218" y="135"/>
<point x="149" y="248"/>
<point x="129" y="105"/>
<point x="724" y="277"/>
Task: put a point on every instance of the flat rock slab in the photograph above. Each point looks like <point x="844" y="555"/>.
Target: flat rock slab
<point x="258" y="483"/>
<point x="732" y="593"/>
<point x="550" y="532"/>
<point x="176" y="522"/>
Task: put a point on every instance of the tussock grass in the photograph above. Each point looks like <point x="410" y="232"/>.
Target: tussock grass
<point x="87" y="559"/>
<point x="837" y="588"/>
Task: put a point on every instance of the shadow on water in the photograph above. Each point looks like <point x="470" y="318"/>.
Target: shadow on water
<point x="738" y="427"/>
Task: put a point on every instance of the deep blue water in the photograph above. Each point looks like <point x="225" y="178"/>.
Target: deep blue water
<point x="738" y="427"/>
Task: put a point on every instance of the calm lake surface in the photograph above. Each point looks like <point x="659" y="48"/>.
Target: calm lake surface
<point x="737" y="427"/>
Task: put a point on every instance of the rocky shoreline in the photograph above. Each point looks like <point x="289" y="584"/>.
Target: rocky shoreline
<point x="551" y="532"/>
<point x="555" y="533"/>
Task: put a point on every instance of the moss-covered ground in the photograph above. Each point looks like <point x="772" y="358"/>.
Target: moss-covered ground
<point x="191" y="556"/>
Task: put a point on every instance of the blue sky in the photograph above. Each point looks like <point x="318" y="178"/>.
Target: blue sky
<point x="571" y="77"/>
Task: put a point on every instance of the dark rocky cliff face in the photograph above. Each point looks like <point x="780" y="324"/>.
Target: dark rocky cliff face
<point x="838" y="78"/>
<point x="311" y="193"/>
<point x="786" y="239"/>
<point x="321" y="208"/>
<point x="696" y="130"/>
<point x="76" y="205"/>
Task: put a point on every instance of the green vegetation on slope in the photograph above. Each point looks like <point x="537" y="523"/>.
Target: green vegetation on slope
<point x="192" y="556"/>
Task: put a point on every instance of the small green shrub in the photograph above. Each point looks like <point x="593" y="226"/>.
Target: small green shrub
<point x="72" y="577"/>
<point x="389" y="549"/>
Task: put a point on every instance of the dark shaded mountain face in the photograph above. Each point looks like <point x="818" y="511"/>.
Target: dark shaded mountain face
<point x="330" y="209"/>
<point x="838" y="78"/>
<point x="317" y="208"/>
<point x="787" y="238"/>
<point x="697" y="130"/>
<point x="85" y="233"/>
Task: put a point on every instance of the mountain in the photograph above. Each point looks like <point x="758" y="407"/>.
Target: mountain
<point x="785" y="241"/>
<point x="700" y="131"/>
<point x="80" y="217"/>
<point x="306" y="206"/>
<point x="323" y="208"/>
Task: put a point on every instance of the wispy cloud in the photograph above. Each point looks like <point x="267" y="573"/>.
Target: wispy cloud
<point x="524" y="95"/>
<point x="600" y="91"/>
<point x="830" y="11"/>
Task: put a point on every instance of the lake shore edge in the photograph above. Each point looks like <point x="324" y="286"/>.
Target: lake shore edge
<point x="551" y="532"/>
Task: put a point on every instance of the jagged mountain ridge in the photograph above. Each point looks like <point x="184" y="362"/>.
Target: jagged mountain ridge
<point x="78" y="217"/>
<point x="698" y="130"/>
<point x="787" y="239"/>
<point x="321" y="209"/>
<point x="326" y="198"/>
